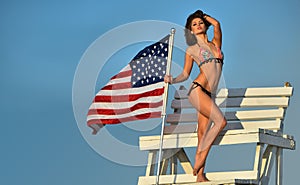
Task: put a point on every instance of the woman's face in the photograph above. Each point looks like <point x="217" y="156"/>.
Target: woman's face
<point x="198" y="26"/>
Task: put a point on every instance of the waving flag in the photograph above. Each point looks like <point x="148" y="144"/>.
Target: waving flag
<point x="136" y="92"/>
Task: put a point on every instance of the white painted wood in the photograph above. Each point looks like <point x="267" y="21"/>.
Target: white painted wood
<point x="151" y="162"/>
<point x="254" y="115"/>
<point x="189" y="178"/>
<point x="184" y="161"/>
<point x="258" y="158"/>
<point x="231" y="116"/>
<point x="164" y="166"/>
<point x="190" y="140"/>
<point x="276" y="141"/>
<point x="267" y="164"/>
<point x="245" y="92"/>
<point x="173" y="165"/>
<point x="167" y="154"/>
<point x="178" y="129"/>
<point x="279" y="166"/>
<point x="247" y="125"/>
<point x="254" y="92"/>
<point x="225" y="182"/>
<point x="239" y="102"/>
<point x="225" y="138"/>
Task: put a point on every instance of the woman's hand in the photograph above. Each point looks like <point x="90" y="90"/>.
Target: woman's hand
<point x="168" y="79"/>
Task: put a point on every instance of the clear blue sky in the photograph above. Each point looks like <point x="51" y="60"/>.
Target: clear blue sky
<point x="42" y="43"/>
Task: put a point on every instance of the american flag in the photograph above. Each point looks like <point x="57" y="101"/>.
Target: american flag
<point x="136" y="92"/>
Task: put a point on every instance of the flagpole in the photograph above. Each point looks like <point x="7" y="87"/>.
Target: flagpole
<point x="165" y="100"/>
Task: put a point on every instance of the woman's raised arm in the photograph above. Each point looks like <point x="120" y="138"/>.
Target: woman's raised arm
<point x="217" y="39"/>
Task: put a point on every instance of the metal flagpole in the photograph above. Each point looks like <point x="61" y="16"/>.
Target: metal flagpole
<point x="165" y="100"/>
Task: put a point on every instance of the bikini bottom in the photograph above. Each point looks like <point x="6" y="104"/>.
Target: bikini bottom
<point x="196" y="84"/>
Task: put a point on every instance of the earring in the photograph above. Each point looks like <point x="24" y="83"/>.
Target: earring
<point x="192" y="32"/>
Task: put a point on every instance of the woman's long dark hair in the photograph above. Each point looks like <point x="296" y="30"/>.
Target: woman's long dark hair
<point x="189" y="37"/>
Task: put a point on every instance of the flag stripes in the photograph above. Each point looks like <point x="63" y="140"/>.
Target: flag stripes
<point x="135" y="93"/>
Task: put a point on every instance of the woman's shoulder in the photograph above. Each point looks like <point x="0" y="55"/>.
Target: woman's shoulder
<point x="190" y="49"/>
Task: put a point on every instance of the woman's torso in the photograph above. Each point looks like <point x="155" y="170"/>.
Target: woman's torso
<point x="210" y="60"/>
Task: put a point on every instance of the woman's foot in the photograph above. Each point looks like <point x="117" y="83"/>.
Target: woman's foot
<point x="199" y="163"/>
<point x="201" y="178"/>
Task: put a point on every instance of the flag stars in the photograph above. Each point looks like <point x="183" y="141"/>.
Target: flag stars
<point x="149" y="66"/>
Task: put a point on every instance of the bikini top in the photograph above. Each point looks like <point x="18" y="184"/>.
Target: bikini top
<point x="203" y="55"/>
<point x="206" y="56"/>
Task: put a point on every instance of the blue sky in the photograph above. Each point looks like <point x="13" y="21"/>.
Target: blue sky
<point x="43" y="42"/>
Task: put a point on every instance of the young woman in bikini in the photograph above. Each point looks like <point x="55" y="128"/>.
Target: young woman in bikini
<point x="208" y="57"/>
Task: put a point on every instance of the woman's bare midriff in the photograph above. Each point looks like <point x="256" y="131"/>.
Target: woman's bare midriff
<point x="210" y="86"/>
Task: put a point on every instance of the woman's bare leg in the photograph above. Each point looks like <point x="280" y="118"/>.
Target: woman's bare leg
<point x="203" y="124"/>
<point x="207" y="107"/>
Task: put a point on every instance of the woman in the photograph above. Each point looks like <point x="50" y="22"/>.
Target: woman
<point x="208" y="57"/>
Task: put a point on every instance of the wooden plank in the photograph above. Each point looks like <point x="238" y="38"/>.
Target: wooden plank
<point x="184" y="161"/>
<point x="253" y="102"/>
<point x="165" y="160"/>
<point x="164" y="166"/>
<point x="151" y="162"/>
<point x="225" y="182"/>
<point x="191" y="140"/>
<point x="238" y="102"/>
<point x="247" y="125"/>
<point x="189" y="178"/>
<point x="223" y="133"/>
<point x="276" y="141"/>
<point x="279" y="166"/>
<point x="245" y="92"/>
<point x="231" y="116"/>
<point x="183" y="128"/>
<point x="267" y="164"/>
<point x="225" y="138"/>
<point x="255" y="92"/>
<point x="258" y="158"/>
<point x="173" y="164"/>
